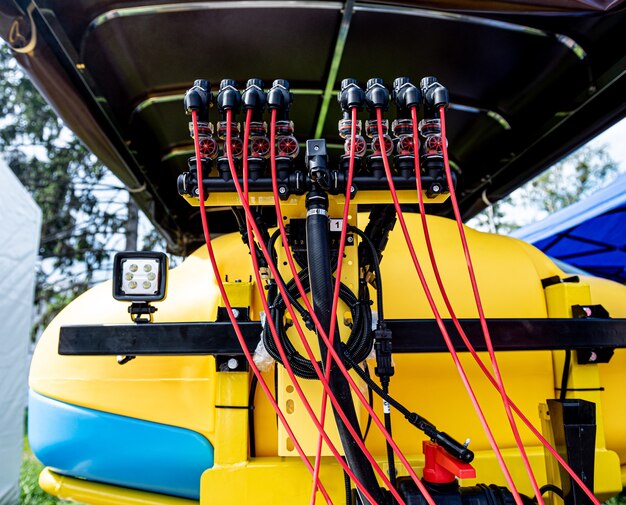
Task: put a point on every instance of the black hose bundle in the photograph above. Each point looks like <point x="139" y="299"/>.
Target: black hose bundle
<point x="359" y="344"/>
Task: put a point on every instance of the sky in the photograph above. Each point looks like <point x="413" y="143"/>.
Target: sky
<point x="615" y="139"/>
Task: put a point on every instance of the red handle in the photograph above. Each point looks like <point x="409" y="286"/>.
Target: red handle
<point x="441" y="468"/>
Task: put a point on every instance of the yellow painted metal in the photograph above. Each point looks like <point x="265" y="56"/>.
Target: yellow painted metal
<point x="230" y="444"/>
<point x="239" y="293"/>
<point x="183" y="391"/>
<point x="288" y="398"/>
<point x="95" y="493"/>
<point x="559" y="299"/>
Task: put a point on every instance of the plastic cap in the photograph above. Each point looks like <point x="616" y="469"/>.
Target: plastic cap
<point x="255" y="82"/>
<point x="373" y="81"/>
<point x="427" y="81"/>
<point x="400" y="81"/>
<point x="227" y="82"/>
<point x="202" y="83"/>
<point x="281" y="82"/>
<point x="347" y="82"/>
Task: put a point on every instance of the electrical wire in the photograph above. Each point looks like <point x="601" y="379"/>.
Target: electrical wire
<point x="439" y="320"/>
<point x="565" y="375"/>
<point x="486" y="372"/>
<point x="251" y="223"/>
<point x="481" y="312"/>
<point x="233" y="319"/>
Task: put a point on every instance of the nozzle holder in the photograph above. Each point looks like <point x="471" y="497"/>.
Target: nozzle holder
<point x="280" y="98"/>
<point x="376" y="95"/>
<point x="199" y="98"/>
<point x="254" y="98"/>
<point x="351" y="96"/>
<point x="228" y="97"/>
<point x="434" y="93"/>
<point x="406" y="95"/>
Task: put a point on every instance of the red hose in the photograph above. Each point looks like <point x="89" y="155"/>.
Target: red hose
<point x="322" y="333"/>
<point x="250" y="222"/>
<point x="481" y="314"/>
<point x="233" y="320"/>
<point x="497" y="380"/>
<point x="439" y="320"/>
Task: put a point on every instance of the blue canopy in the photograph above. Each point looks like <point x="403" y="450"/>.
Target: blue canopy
<point x="590" y="234"/>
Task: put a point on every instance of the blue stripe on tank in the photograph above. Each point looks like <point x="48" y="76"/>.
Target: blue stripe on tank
<point x="117" y="450"/>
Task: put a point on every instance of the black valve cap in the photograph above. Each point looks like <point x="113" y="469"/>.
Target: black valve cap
<point x="373" y="81"/>
<point x="255" y="82"/>
<point x="351" y="95"/>
<point x="398" y="82"/>
<point x="226" y="83"/>
<point x="281" y="82"/>
<point x="348" y="82"/>
<point x="427" y="81"/>
<point x="376" y="95"/>
<point x="202" y="83"/>
<point x="228" y="97"/>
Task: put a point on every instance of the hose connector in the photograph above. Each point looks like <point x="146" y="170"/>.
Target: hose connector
<point x="406" y="95"/>
<point x="435" y="94"/>
<point x="376" y="95"/>
<point x="351" y="96"/>
<point x="199" y="98"/>
<point x="280" y="98"/>
<point x="228" y="97"/>
<point x="254" y="98"/>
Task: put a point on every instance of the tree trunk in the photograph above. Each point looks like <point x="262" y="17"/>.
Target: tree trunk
<point x="132" y="225"/>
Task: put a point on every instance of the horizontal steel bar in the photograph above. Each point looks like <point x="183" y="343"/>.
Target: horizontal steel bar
<point x="409" y="336"/>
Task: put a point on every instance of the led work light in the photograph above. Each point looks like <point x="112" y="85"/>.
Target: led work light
<point x="140" y="276"/>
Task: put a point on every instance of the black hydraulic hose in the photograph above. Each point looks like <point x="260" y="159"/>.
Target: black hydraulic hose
<point x="376" y="265"/>
<point x="317" y="231"/>
<point x="359" y="342"/>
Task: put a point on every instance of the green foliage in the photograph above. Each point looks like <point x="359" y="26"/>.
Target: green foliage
<point x="67" y="182"/>
<point x="572" y="179"/>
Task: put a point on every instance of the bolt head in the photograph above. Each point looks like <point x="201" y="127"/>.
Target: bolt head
<point x="282" y="190"/>
<point x="232" y="363"/>
<point x="350" y="239"/>
<point x="236" y="313"/>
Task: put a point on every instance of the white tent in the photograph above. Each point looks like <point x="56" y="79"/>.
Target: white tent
<point x="20" y="223"/>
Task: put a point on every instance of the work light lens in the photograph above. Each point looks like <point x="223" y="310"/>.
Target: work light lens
<point x="140" y="276"/>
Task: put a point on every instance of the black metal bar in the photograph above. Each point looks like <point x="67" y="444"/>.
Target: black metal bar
<point x="409" y="336"/>
<point x="574" y="425"/>
<point x="361" y="182"/>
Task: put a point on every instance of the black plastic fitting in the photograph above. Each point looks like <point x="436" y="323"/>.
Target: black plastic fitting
<point x="280" y="98"/>
<point x="317" y="162"/>
<point x="254" y="98"/>
<point x="351" y="96"/>
<point x="228" y="97"/>
<point x="199" y="98"/>
<point x="435" y="94"/>
<point x="406" y="95"/>
<point x="376" y="95"/>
